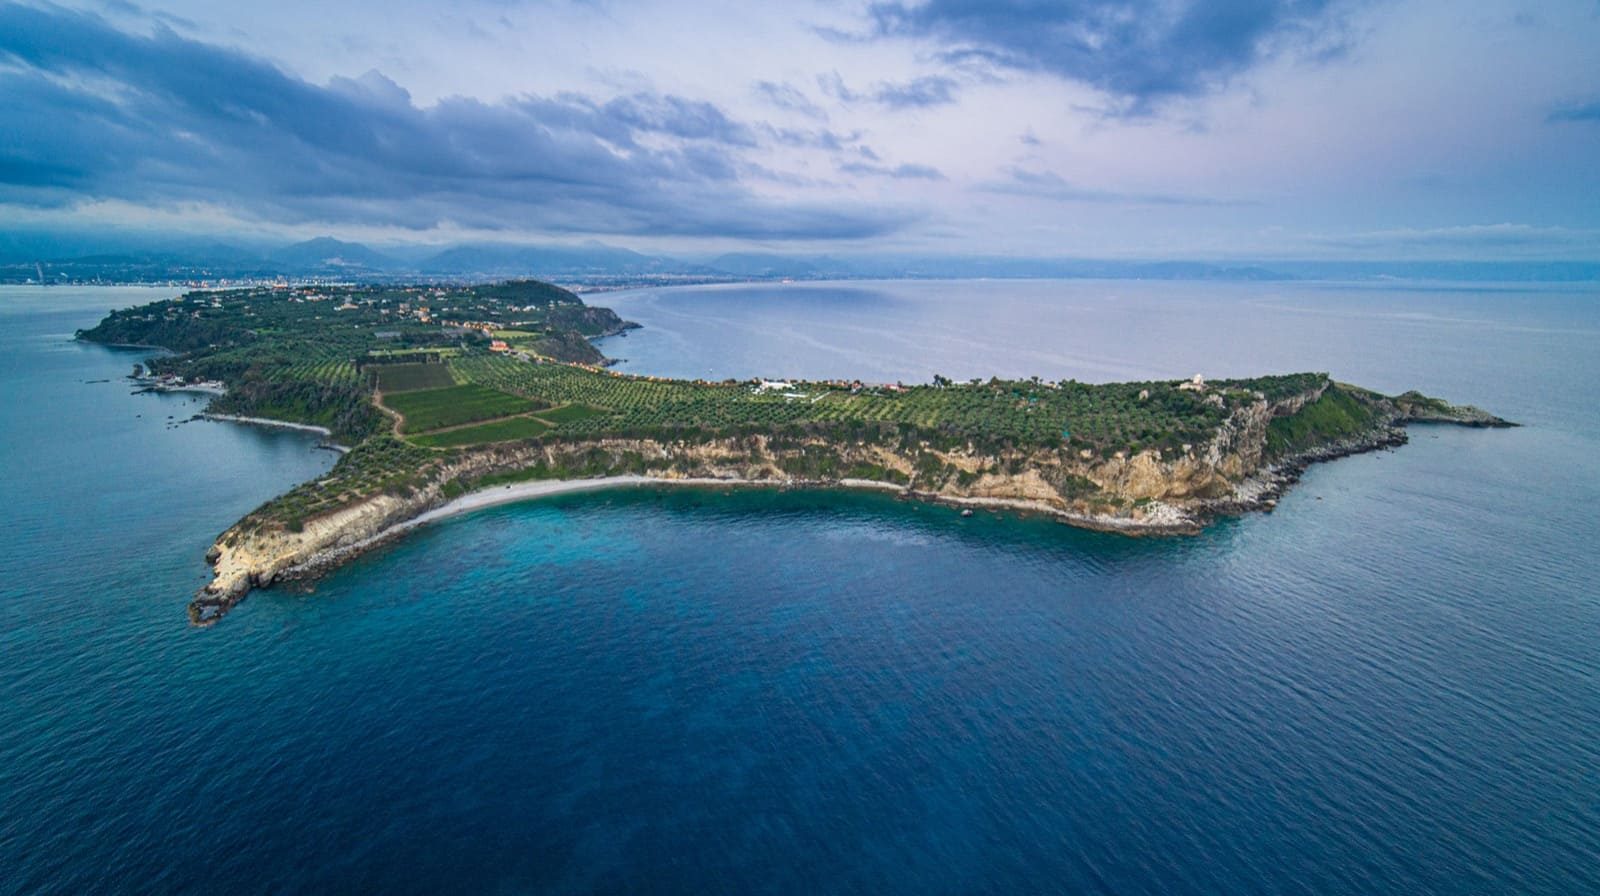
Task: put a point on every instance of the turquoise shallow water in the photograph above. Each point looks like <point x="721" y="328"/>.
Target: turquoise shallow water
<point x="1388" y="685"/>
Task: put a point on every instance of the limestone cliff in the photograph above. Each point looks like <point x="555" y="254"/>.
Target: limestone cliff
<point x="1257" y="451"/>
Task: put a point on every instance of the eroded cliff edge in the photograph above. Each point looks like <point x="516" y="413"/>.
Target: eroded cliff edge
<point x="1260" y="448"/>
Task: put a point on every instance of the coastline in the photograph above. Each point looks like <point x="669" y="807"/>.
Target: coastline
<point x="1135" y="459"/>
<point x="1258" y="493"/>
<point x="217" y="389"/>
<point x="152" y="384"/>
<point x="326" y="433"/>
<point x="1172" y="522"/>
<point x="330" y="558"/>
<point x="254" y="558"/>
<point x="517" y="492"/>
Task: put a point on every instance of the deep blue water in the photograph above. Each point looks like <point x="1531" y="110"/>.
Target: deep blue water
<point x="1392" y="684"/>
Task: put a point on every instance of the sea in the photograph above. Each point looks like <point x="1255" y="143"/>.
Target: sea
<point x="1391" y="684"/>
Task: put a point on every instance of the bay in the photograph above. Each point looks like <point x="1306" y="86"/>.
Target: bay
<point x="1389" y="684"/>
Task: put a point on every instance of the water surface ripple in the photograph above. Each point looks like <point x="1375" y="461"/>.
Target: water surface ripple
<point x="1388" y="685"/>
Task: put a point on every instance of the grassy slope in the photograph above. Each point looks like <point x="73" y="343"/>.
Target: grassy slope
<point x="1337" y="415"/>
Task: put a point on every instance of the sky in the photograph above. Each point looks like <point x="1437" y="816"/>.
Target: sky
<point x="1259" y="129"/>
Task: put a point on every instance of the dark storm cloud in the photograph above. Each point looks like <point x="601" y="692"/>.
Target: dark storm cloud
<point x="1138" y="51"/>
<point x="96" y="113"/>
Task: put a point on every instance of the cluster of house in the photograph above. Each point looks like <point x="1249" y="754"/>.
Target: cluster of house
<point x="422" y="313"/>
<point x="855" y="387"/>
<point x="167" y="382"/>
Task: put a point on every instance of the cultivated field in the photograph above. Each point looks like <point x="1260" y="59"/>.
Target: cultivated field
<point x="571" y="413"/>
<point x="392" y="378"/>
<point x="438" y="408"/>
<point x="504" y="430"/>
<point x="1102" y="418"/>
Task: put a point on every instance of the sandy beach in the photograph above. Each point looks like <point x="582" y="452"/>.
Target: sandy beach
<point x="524" y="491"/>
<point x="527" y="491"/>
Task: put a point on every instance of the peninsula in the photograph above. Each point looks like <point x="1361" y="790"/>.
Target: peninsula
<point x="452" y="397"/>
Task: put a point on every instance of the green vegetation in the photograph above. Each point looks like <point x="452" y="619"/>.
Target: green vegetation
<point x="571" y="413"/>
<point x="504" y="430"/>
<point x="511" y="477"/>
<point x="1028" y="413"/>
<point x="438" y="408"/>
<point x="392" y="378"/>
<point x="529" y="294"/>
<point x="408" y="355"/>
<point x="308" y="354"/>
<point x="1334" y="416"/>
<point x="314" y="354"/>
<point x="381" y="464"/>
<point x="319" y="355"/>
<point x="318" y="388"/>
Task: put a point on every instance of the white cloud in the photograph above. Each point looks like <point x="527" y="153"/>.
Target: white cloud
<point x="1432" y="116"/>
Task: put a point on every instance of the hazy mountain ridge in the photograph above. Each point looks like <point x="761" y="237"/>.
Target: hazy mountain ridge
<point x="26" y="258"/>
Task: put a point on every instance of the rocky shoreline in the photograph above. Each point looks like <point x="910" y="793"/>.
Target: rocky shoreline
<point x="1259" y="493"/>
<point x="210" y="604"/>
<point x="1143" y="495"/>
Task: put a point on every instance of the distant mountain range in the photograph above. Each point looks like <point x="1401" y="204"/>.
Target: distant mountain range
<point x="328" y="254"/>
<point x="27" y="257"/>
<point x="589" y="258"/>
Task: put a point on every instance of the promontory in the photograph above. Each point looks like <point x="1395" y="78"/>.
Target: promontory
<point x="444" y="391"/>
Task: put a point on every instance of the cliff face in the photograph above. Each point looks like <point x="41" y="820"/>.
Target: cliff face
<point x="243" y="560"/>
<point x="1144" y="491"/>
<point x="1258" y="450"/>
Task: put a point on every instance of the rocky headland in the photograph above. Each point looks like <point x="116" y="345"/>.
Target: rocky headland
<point x="1260" y="450"/>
